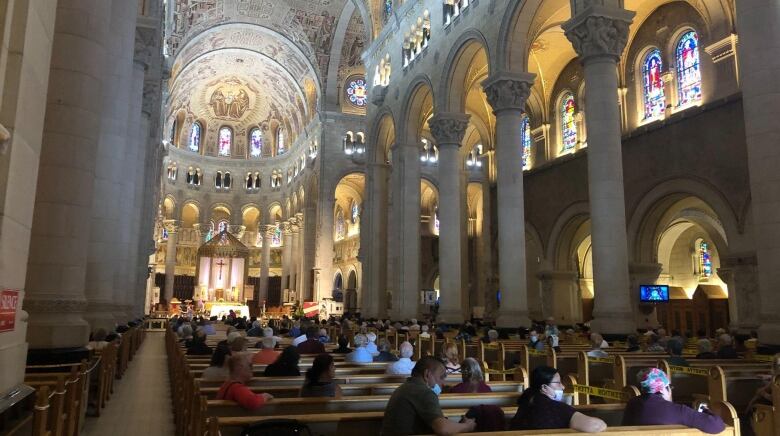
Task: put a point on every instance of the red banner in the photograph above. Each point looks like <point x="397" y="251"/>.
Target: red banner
<point x="9" y="300"/>
<point x="310" y="309"/>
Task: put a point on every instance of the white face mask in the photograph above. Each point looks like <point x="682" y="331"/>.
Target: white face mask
<point x="534" y="338"/>
<point x="558" y="395"/>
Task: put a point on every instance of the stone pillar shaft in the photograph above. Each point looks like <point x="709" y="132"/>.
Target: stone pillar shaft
<point x="59" y="242"/>
<point x="759" y="43"/>
<point x="265" y="262"/>
<point x="373" y="239"/>
<point x="294" y="255"/>
<point x="323" y="280"/>
<point x="598" y="34"/>
<point x="170" y="258"/>
<point x="406" y="208"/>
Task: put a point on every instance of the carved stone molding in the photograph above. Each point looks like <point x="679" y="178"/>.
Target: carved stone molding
<point x="378" y="95"/>
<point x="599" y="31"/>
<point x="449" y="127"/>
<point x="507" y="91"/>
<point x="171" y="226"/>
<point x="144" y="45"/>
<point x="54" y="305"/>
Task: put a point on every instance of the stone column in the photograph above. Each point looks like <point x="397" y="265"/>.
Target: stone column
<point x="323" y="263"/>
<point x="758" y="22"/>
<point x="172" y="226"/>
<point x="59" y="244"/>
<point x="309" y="251"/>
<point x="265" y="262"/>
<point x="373" y="241"/>
<point x="741" y="273"/>
<point x="448" y="130"/>
<point x="299" y="271"/>
<point x="286" y="254"/>
<point x="598" y="33"/>
<point x="25" y="45"/>
<point x="561" y="296"/>
<point x="507" y="94"/>
<point x="406" y="237"/>
<point x="108" y="258"/>
<point x="294" y="255"/>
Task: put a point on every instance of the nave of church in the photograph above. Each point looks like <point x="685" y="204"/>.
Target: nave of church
<point x="606" y="165"/>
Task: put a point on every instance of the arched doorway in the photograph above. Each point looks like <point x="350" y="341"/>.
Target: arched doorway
<point x="338" y="288"/>
<point x="350" y="294"/>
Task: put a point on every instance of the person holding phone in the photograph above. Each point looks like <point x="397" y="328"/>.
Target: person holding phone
<point x="655" y="406"/>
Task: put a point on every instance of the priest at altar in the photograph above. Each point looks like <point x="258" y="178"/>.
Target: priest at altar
<point x="221" y="276"/>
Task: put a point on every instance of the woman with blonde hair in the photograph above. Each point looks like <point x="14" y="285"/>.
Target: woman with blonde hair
<point x="449" y="354"/>
<point x="473" y="379"/>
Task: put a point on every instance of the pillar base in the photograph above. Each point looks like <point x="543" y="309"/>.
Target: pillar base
<point x="51" y="330"/>
<point x="622" y="323"/>
<point x="449" y="316"/>
<point x="512" y="318"/>
<point x="769" y="333"/>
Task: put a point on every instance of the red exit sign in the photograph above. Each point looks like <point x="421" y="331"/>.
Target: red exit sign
<point x="9" y="302"/>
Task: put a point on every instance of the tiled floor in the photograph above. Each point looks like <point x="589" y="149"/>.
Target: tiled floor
<point x="141" y="403"/>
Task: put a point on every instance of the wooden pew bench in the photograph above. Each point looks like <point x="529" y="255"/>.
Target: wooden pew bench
<point x="298" y="381"/>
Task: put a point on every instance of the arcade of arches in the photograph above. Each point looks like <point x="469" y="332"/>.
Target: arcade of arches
<point x="502" y="160"/>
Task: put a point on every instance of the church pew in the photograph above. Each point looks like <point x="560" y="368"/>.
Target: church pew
<point x="200" y="366"/>
<point x="766" y="418"/>
<point x="66" y="395"/>
<point x="298" y="381"/>
<point x="258" y="370"/>
<point x="349" y="390"/>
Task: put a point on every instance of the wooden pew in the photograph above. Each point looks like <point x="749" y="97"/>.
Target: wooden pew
<point x="766" y="418"/>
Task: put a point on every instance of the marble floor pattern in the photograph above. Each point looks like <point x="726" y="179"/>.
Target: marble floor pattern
<point x="141" y="403"/>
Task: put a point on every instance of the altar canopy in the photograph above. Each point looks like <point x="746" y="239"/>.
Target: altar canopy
<point x="222" y="270"/>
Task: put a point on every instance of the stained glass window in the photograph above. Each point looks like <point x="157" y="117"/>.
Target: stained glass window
<point x="688" y="73"/>
<point x="525" y="128"/>
<point x="357" y="92"/>
<point x="341" y="228"/>
<point x="255" y="143"/>
<point x="225" y="141"/>
<point x="388" y="9"/>
<point x="280" y="149"/>
<point x="223" y="225"/>
<point x="195" y="134"/>
<point x="276" y="236"/>
<point x="655" y="101"/>
<point x="355" y="212"/>
<point x="568" y="124"/>
<point x="436" y="218"/>
<point x="705" y="262"/>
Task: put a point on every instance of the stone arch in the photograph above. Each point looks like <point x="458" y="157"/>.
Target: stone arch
<point x="190" y="213"/>
<point x="168" y="207"/>
<point x="452" y="92"/>
<point x="417" y="107"/>
<point x="382" y="136"/>
<point x="562" y="234"/>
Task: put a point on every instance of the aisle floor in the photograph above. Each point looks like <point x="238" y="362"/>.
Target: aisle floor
<point x="141" y="403"/>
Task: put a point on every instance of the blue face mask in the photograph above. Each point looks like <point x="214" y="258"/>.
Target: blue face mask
<point x="436" y="389"/>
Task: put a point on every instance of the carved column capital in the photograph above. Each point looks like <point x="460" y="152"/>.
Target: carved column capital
<point x="598" y="31"/>
<point x="508" y="91"/>
<point x="171" y="226"/>
<point x="448" y="128"/>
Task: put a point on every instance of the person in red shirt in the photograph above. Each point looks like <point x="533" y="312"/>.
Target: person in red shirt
<point x="267" y="355"/>
<point x="235" y="389"/>
<point x="312" y="344"/>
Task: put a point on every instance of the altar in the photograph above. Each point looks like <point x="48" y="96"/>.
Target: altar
<point x="221" y="275"/>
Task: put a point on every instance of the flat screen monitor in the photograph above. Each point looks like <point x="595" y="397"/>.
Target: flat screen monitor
<point x="653" y="293"/>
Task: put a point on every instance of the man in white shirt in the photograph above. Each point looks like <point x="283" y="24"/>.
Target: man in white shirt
<point x="404" y="365"/>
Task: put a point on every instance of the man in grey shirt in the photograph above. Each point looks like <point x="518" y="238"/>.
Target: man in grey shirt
<point x="414" y="407"/>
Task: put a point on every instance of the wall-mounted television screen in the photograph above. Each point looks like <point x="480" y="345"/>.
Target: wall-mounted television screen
<point x="653" y="293"/>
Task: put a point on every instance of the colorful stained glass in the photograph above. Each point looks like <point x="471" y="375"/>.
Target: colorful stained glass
<point x="280" y="147"/>
<point x="388" y="8"/>
<point x="705" y="261"/>
<point x="255" y="143"/>
<point x="276" y="236"/>
<point x="355" y="212"/>
<point x="341" y="227"/>
<point x="655" y="100"/>
<point x="195" y="134"/>
<point x="225" y="141"/>
<point x="357" y="92"/>
<point x="436" y="218"/>
<point x="688" y="72"/>
<point x="568" y="123"/>
<point x="525" y="132"/>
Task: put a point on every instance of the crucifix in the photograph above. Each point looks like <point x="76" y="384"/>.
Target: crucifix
<point x="221" y="264"/>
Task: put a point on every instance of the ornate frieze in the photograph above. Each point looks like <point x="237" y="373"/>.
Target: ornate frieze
<point x="449" y="128"/>
<point x="599" y="31"/>
<point x="508" y="91"/>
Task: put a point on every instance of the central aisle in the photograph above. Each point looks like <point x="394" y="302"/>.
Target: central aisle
<point x="141" y="403"/>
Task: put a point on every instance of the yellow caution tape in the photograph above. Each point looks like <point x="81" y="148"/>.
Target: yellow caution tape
<point x="600" y="392"/>
<point x="690" y="370"/>
<point x="534" y="352"/>
<point x="610" y="360"/>
<point x="764" y="357"/>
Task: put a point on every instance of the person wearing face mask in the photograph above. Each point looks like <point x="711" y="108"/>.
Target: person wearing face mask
<point x="534" y="342"/>
<point x="414" y="406"/>
<point x="541" y="406"/>
<point x="655" y="406"/>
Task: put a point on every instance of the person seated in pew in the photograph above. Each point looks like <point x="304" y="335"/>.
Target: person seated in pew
<point x="235" y="389"/>
<point x="295" y="331"/>
<point x="596" y="341"/>
<point x="450" y="358"/>
<point x="404" y="365"/>
<point x="705" y="349"/>
<point x="655" y="406"/>
<point x="237" y="344"/>
<point x="360" y="354"/>
<point x="267" y="355"/>
<point x="492" y="337"/>
<point x="371" y="344"/>
<point x="343" y="346"/>
<point x="98" y="341"/>
<point x="552" y="342"/>
<point x="534" y="342"/>
<point x="473" y="379"/>
<point x="218" y="368"/>
<point x="197" y="346"/>
<point x="384" y="352"/>
<point x="541" y="406"/>
<point x="726" y="347"/>
<point x="256" y="331"/>
<point x="675" y="353"/>
<point x="323" y="337"/>
<point x="763" y="394"/>
<point x="268" y="332"/>
<point x="632" y="344"/>
<point x="319" y="379"/>
<point x="414" y="406"/>
<point x="312" y="344"/>
<point x="286" y="365"/>
<point x="653" y="344"/>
